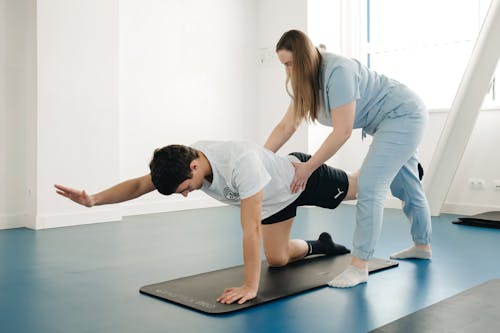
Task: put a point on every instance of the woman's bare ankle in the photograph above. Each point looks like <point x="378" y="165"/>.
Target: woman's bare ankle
<point x="359" y="263"/>
<point x="425" y="247"/>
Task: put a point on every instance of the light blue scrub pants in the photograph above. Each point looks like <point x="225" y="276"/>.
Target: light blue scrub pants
<point x="391" y="163"/>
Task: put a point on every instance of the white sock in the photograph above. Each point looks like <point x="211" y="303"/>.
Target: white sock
<point x="412" y="252"/>
<point x="351" y="277"/>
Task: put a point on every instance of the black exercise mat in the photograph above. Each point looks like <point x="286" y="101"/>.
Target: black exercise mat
<point x="200" y="292"/>
<point x="486" y="220"/>
<point x="474" y="310"/>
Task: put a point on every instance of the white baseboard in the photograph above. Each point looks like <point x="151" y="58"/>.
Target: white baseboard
<point x="393" y="203"/>
<point x="12" y="221"/>
<point x="389" y="203"/>
<point x="448" y="207"/>
<point x="133" y="208"/>
<point x="466" y="209"/>
<point x="72" y="219"/>
<point x="56" y="221"/>
<point x="115" y="213"/>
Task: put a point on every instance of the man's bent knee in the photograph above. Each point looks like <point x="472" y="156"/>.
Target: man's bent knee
<point x="277" y="261"/>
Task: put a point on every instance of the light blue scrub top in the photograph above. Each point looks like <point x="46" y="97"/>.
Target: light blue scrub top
<point x="344" y="80"/>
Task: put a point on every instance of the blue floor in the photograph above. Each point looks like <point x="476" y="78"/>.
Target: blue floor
<point x="87" y="278"/>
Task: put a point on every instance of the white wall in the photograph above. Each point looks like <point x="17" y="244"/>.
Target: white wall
<point x="3" y="113"/>
<point x="17" y="105"/>
<point x="274" y="17"/>
<point x="324" y="26"/>
<point x="77" y="141"/>
<point x="187" y="73"/>
<point x="481" y="160"/>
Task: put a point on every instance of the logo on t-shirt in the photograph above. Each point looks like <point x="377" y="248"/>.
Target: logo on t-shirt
<point x="230" y="195"/>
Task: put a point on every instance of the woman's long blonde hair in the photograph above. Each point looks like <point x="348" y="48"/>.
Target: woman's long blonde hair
<point x="305" y="78"/>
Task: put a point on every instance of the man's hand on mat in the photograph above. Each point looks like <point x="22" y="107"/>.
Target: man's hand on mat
<point x="77" y="196"/>
<point x="243" y="294"/>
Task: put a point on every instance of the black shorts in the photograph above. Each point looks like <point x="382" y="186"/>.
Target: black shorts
<point x="326" y="187"/>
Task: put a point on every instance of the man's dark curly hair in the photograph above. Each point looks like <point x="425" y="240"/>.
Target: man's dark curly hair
<point x="170" y="167"/>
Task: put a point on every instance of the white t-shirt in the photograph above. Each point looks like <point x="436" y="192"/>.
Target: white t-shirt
<point x="241" y="169"/>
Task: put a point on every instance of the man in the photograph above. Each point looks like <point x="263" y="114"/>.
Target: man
<point x="249" y="176"/>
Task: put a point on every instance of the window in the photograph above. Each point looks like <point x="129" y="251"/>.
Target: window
<point x="425" y="44"/>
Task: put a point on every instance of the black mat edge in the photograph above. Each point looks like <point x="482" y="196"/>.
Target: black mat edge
<point x="489" y="219"/>
<point x="477" y="223"/>
<point x="232" y="310"/>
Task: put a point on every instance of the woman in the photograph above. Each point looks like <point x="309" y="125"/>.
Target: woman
<point x="341" y="93"/>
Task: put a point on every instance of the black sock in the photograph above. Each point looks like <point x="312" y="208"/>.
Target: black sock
<point x="325" y="245"/>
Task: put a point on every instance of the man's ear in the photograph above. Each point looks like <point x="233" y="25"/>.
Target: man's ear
<point x="194" y="165"/>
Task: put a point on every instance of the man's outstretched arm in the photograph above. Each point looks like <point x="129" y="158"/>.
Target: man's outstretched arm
<point x="127" y="190"/>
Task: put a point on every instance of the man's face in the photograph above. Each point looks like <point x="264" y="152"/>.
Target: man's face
<point x="193" y="183"/>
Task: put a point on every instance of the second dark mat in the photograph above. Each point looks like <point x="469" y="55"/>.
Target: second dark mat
<point x="486" y="220"/>
<point x="474" y="310"/>
<point x="200" y="292"/>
